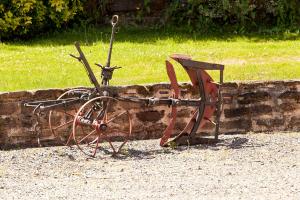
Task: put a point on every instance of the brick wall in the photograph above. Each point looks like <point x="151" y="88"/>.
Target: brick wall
<point x="248" y="107"/>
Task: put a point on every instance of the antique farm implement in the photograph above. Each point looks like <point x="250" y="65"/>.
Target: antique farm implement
<point x="88" y="117"/>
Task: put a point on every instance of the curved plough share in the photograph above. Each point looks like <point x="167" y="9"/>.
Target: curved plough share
<point x="210" y="100"/>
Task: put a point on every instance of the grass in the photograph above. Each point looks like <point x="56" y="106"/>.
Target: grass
<point x="43" y="62"/>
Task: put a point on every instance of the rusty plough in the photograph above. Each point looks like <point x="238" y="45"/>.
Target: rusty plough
<point x="92" y="116"/>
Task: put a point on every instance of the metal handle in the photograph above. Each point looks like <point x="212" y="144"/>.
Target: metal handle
<point x="114" y="20"/>
<point x="87" y="67"/>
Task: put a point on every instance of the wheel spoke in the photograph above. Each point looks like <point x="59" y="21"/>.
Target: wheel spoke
<point x="111" y="145"/>
<point x="120" y="147"/>
<point x="113" y="148"/>
<point x="92" y="142"/>
<point x="69" y="122"/>
<point x="92" y="132"/>
<point x="88" y="140"/>
<point x="69" y="139"/>
<point x="95" y="151"/>
<point x="105" y="112"/>
<point x="115" y="117"/>
<point x="61" y="118"/>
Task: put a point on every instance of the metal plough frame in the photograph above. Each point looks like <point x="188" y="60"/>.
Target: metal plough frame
<point x="93" y="116"/>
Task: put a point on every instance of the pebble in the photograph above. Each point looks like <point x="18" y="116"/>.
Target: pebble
<point x="250" y="166"/>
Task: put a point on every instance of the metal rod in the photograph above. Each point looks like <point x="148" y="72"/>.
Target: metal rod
<point x="201" y="65"/>
<point x="48" y="102"/>
<point x="114" y="22"/>
<point x="201" y="107"/>
<point x="219" y="106"/>
<point x="168" y="101"/>
<point x="63" y="104"/>
<point x="88" y="68"/>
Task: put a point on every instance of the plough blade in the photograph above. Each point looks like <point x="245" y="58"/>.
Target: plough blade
<point x="173" y="79"/>
<point x="168" y="131"/>
<point x="175" y="90"/>
<point x="209" y="95"/>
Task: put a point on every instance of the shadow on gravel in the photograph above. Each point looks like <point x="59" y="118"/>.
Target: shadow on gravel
<point x="230" y="143"/>
<point x="235" y="143"/>
<point x="226" y="143"/>
<point x="143" y="154"/>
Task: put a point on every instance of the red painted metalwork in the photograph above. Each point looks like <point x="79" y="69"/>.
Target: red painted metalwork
<point x="102" y="118"/>
<point x="207" y="86"/>
<point x="175" y="90"/>
<point x="104" y="129"/>
<point x="60" y="119"/>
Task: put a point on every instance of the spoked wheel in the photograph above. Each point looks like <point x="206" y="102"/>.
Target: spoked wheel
<point x="101" y="120"/>
<point x="61" y="120"/>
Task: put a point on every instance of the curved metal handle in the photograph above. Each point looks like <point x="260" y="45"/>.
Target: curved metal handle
<point x="114" y="20"/>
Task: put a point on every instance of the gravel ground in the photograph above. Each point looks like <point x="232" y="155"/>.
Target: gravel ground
<point x="252" y="166"/>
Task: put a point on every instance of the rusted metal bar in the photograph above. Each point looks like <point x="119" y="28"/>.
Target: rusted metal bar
<point x="166" y="101"/>
<point x="114" y="22"/>
<point x="200" y="65"/>
<point x="53" y="104"/>
<point x="219" y="104"/>
<point x="201" y="106"/>
<point x="87" y="66"/>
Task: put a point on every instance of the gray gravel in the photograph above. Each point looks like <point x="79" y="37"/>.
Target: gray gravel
<point x="252" y="166"/>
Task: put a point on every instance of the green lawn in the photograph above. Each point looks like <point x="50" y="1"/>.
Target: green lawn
<point x="43" y="62"/>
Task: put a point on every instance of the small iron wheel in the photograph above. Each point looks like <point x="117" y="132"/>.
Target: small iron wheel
<point x="101" y="120"/>
<point x="61" y="120"/>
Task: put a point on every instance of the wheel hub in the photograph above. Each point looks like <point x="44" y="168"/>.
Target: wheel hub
<point x="100" y="126"/>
